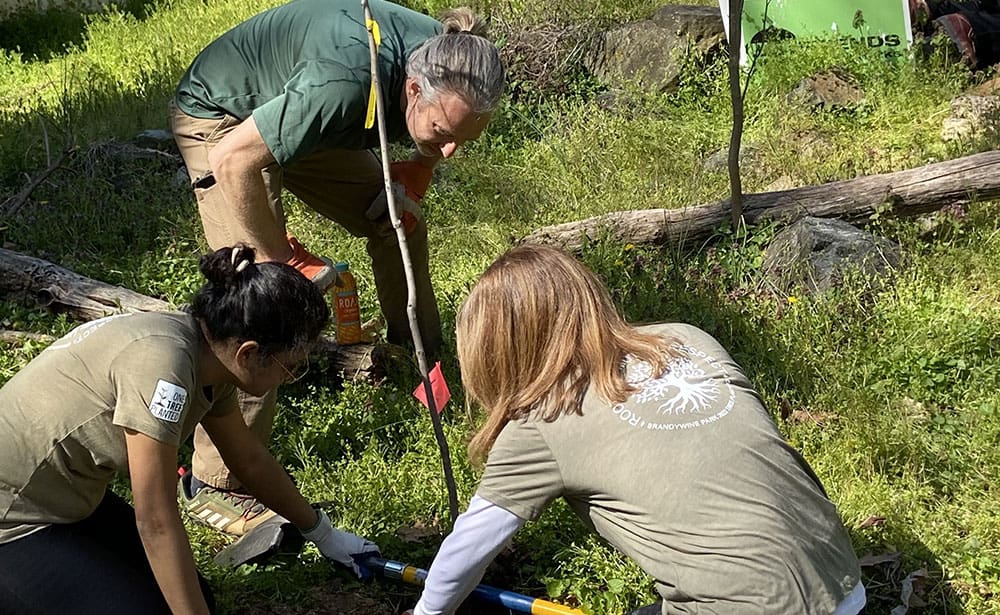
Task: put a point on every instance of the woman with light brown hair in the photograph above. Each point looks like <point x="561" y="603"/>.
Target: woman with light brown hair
<point x="652" y="435"/>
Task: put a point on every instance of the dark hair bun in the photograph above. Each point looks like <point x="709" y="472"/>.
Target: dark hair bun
<point x="224" y="266"/>
<point x="270" y="302"/>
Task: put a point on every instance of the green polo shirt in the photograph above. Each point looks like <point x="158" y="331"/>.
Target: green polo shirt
<point x="303" y="70"/>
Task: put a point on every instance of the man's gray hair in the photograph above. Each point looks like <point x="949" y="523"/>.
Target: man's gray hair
<point x="461" y="62"/>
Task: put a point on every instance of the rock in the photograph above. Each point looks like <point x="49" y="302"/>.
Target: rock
<point x="614" y="100"/>
<point x="698" y="23"/>
<point x="181" y="178"/>
<point x="986" y="88"/>
<point x="158" y="139"/>
<point x="828" y="90"/>
<point x="943" y="223"/>
<point x="810" y="143"/>
<point x="652" y="53"/>
<point x="816" y="254"/>
<point x="972" y="117"/>
<point x="718" y="161"/>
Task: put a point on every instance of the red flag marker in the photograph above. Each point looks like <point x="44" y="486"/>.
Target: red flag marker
<point x="439" y="388"/>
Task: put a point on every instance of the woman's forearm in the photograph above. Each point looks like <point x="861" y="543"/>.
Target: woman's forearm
<point x="263" y="476"/>
<point x="479" y="534"/>
<point x="166" y="544"/>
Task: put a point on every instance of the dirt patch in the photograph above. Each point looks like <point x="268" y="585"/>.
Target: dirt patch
<point x="328" y="601"/>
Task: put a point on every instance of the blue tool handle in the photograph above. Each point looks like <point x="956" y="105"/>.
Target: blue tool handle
<point x="362" y="560"/>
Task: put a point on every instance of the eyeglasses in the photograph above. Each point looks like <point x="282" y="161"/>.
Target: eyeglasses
<point x="301" y="369"/>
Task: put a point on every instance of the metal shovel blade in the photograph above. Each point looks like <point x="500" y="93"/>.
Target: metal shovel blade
<point x="276" y="536"/>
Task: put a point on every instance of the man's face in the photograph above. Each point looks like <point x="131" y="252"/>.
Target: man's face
<point x="439" y="127"/>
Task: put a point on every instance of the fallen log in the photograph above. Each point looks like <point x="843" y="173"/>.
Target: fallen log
<point x="61" y="290"/>
<point x="902" y="193"/>
<point x="10" y="336"/>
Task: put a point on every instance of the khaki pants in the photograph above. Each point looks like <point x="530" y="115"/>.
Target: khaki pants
<point x="340" y="184"/>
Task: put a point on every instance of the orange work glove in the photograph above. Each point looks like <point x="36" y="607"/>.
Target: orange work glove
<point x="410" y="181"/>
<point x="415" y="177"/>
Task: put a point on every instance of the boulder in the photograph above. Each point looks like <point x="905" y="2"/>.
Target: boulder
<point x="751" y="157"/>
<point x="652" y="53"/>
<point x="814" y="255"/>
<point x="972" y="117"/>
<point x="828" y="90"/>
<point x="158" y="139"/>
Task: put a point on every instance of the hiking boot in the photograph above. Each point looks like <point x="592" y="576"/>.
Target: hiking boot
<point x="957" y="28"/>
<point x="319" y="270"/>
<point x="227" y="511"/>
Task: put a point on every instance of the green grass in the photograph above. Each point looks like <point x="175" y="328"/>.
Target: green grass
<point x="904" y="376"/>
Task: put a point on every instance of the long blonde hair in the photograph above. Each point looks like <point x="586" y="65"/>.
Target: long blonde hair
<point x="536" y="331"/>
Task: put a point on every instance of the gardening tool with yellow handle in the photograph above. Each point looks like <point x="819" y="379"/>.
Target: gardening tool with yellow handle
<point x="518" y="603"/>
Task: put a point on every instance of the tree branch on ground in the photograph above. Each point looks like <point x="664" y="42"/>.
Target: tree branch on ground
<point x="11" y="336"/>
<point x="58" y="289"/>
<point x="14" y="204"/>
<point x="902" y="193"/>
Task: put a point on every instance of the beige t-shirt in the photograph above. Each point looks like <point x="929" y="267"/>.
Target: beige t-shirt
<point x="691" y="479"/>
<point x="62" y="416"/>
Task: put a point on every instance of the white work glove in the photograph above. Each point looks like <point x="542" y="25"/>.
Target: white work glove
<point x="340" y="546"/>
<point x="410" y="212"/>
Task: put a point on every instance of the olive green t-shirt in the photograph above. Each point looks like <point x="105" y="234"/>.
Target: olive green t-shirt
<point x="691" y="479"/>
<point x="303" y="70"/>
<point x="62" y="417"/>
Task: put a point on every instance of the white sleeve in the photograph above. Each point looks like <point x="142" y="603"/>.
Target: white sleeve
<point x="479" y="534"/>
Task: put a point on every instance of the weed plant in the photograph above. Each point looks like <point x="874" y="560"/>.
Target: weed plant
<point x="890" y="390"/>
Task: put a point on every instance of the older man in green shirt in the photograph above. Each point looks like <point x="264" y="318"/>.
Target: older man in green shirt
<point x="280" y="101"/>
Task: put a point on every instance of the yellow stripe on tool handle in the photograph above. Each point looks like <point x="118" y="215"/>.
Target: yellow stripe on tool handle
<point x="411" y="575"/>
<point x="544" y="607"/>
<point x="372" y="26"/>
<point x="514" y="602"/>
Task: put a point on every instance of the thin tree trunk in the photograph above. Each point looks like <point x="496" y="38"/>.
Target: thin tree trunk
<point x="411" y="284"/>
<point x="736" y="95"/>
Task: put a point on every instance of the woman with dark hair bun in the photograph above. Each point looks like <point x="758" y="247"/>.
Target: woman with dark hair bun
<point x="118" y="396"/>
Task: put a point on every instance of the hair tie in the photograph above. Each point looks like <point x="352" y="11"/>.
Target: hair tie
<point x="242" y="264"/>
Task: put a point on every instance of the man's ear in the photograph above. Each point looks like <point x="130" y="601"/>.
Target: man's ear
<point x="412" y="90"/>
<point x="248" y="355"/>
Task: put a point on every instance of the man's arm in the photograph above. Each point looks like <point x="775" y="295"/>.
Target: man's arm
<point x="237" y="161"/>
<point x="153" y="469"/>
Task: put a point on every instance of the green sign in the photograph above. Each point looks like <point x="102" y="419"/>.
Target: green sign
<point x="883" y="25"/>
